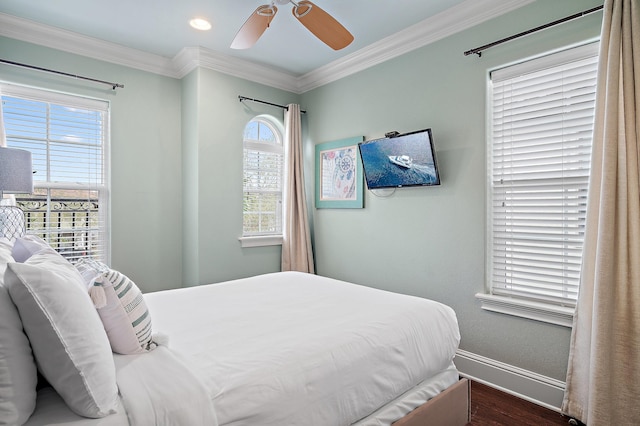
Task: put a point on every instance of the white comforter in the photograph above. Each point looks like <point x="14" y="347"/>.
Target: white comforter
<point x="280" y="349"/>
<point x="298" y="349"/>
<point x="156" y="388"/>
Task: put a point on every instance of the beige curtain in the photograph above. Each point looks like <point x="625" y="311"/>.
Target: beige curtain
<point x="297" y="254"/>
<point x="603" y="377"/>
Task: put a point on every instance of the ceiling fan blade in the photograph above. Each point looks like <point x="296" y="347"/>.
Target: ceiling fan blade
<point x="322" y="25"/>
<point x="254" y="27"/>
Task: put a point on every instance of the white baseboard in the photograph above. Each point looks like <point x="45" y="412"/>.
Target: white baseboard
<point x="533" y="387"/>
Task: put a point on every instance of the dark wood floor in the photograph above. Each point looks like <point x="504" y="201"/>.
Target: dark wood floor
<point x="490" y="406"/>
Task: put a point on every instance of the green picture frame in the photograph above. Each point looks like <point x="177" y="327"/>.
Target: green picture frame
<point x="339" y="175"/>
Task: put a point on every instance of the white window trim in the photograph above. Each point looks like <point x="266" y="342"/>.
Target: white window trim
<point x="75" y="100"/>
<point x="534" y="310"/>
<point x="538" y="311"/>
<point x="260" y="241"/>
<point x="271" y="239"/>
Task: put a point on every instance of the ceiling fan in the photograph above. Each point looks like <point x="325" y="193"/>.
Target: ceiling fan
<point x="319" y="22"/>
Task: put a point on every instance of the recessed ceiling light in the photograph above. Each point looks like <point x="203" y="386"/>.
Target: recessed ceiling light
<point x="200" y="24"/>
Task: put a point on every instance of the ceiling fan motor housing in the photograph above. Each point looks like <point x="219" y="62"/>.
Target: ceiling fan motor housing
<point x="314" y="18"/>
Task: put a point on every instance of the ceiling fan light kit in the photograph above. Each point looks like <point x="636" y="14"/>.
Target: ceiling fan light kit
<point x="306" y="8"/>
<point x="267" y="10"/>
<point x="324" y="26"/>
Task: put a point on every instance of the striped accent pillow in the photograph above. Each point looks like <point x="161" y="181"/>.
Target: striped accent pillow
<point x="125" y="315"/>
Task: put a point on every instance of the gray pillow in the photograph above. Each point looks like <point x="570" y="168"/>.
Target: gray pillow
<point x="18" y="372"/>
<point x="69" y="343"/>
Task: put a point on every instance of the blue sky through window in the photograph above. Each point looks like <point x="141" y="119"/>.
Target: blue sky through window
<point x="65" y="142"/>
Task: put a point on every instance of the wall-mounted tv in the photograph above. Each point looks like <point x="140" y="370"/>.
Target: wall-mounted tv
<point x="405" y="160"/>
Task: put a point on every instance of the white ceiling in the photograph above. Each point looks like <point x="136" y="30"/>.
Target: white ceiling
<point x="161" y="27"/>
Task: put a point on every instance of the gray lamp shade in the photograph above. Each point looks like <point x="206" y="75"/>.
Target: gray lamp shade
<point x="16" y="174"/>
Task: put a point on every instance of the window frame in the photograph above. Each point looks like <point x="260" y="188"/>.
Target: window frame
<point x="275" y="238"/>
<point x="103" y="107"/>
<point x="539" y="310"/>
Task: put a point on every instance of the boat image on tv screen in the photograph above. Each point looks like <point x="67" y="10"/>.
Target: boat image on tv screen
<point x="404" y="160"/>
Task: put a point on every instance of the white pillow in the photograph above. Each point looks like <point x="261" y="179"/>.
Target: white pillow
<point x="27" y="246"/>
<point x="18" y="372"/>
<point x="121" y="307"/>
<point x="69" y="343"/>
<point x="90" y="270"/>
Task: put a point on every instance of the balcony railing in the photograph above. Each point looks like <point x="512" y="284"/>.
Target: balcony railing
<point x="71" y="226"/>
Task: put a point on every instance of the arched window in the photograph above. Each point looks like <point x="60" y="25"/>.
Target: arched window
<point x="263" y="178"/>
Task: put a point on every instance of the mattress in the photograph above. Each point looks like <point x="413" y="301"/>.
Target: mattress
<point x="286" y="349"/>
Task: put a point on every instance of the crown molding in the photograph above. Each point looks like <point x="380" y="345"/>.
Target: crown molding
<point x="184" y="62"/>
<point x="71" y="42"/>
<point x="458" y="18"/>
<point x="190" y="58"/>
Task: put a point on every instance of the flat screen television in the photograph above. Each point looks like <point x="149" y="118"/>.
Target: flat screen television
<point x="405" y="160"/>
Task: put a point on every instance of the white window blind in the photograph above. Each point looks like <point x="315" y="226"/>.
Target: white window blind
<point x="263" y="179"/>
<point x="540" y="147"/>
<point x="67" y="136"/>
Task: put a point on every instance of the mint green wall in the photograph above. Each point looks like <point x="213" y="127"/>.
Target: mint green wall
<point x="190" y="181"/>
<point x="176" y="164"/>
<point x="176" y="161"/>
<point x="430" y="242"/>
<point x="146" y="215"/>
<point x="212" y="161"/>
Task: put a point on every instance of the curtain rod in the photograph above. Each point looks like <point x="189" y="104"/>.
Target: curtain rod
<point x="478" y="50"/>
<point x="244" y="98"/>
<point x="18" y="64"/>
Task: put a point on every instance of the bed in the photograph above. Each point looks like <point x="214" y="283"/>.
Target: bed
<point x="278" y="349"/>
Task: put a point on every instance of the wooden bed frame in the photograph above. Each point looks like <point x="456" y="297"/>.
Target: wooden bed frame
<point x="452" y="407"/>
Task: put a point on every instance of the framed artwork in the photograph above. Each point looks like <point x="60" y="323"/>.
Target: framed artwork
<point x="339" y="176"/>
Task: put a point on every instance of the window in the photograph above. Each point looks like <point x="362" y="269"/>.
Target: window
<point x="541" y="131"/>
<point x="67" y="136"/>
<point x="263" y="161"/>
